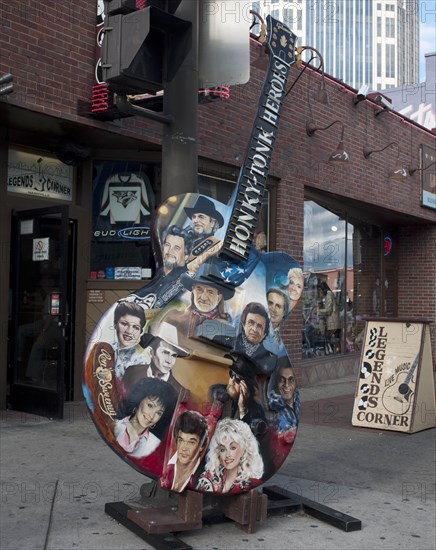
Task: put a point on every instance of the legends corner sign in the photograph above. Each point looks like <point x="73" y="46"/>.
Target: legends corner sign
<point x="47" y="177"/>
<point x="395" y="388"/>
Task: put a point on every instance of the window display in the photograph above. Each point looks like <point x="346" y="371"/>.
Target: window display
<point x="123" y="204"/>
<point x="342" y="280"/>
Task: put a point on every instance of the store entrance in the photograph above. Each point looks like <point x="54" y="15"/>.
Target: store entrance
<point x="42" y="309"/>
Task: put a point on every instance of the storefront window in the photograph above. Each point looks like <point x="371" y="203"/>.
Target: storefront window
<point x="342" y="267"/>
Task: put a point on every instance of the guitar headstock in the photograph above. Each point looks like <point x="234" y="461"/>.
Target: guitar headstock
<point x="253" y="176"/>
<point x="281" y="40"/>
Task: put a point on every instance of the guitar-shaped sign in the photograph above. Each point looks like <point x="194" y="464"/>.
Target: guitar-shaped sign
<point x="397" y="397"/>
<point x="187" y="379"/>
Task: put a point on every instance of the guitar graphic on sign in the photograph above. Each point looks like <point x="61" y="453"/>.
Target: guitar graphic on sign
<point x="397" y="397"/>
<point x="197" y="351"/>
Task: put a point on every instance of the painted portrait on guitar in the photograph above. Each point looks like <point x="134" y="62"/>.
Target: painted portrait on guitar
<point x="187" y="378"/>
<point x="199" y="216"/>
<point x="190" y="431"/>
<point x="233" y="463"/>
<point x="187" y="345"/>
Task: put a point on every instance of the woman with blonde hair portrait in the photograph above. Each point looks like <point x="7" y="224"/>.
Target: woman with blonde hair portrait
<point x="295" y="285"/>
<point x="233" y="462"/>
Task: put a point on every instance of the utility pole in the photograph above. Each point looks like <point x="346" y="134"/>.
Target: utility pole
<point x="179" y="142"/>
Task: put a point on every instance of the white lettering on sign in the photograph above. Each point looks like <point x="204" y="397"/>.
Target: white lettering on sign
<point x="247" y="206"/>
<point x="39" y="176"/>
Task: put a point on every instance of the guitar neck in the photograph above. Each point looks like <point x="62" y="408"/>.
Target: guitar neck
<point x="254" y="172"/>
<point x="412" y="370"/>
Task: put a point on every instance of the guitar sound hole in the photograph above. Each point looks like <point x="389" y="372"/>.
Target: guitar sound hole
<point x="403" y="389"/>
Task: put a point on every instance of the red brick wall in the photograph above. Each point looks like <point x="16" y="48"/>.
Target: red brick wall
<point x="417" y="264"/>
<point x="50" y="48"/>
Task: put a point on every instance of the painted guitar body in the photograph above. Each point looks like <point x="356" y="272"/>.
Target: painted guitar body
<point x="181" y="347"/>
<point x="397" y="398"/>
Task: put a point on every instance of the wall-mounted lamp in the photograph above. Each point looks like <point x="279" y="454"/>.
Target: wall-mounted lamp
<point x="412" y="169"/>
<point x="361" y="94"/>
<point x="398" y="173"/>
<point x="339" y="154"/>
<point x="367" y="151"/>
<point x="322" y="96"/>
<point x="6" y="86"/>
<point x="71" y="153"/>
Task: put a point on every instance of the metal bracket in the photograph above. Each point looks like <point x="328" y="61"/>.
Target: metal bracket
<point x="125" y="106"/>
<point x="280" y="499"/>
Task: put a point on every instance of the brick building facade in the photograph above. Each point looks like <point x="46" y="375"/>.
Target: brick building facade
<point x="50" y="50"/>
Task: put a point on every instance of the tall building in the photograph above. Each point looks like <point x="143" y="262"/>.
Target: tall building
<point x="362" y="41"/>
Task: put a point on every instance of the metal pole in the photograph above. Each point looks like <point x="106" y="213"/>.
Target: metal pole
<point x="179" y="142"/>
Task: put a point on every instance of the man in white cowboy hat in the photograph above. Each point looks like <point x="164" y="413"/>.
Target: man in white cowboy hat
<point x="205" y="317"/>
<point x="206" y="220"/>
<point x="162" y="352"/>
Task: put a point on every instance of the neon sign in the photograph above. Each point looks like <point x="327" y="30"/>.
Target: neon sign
<point x="387" y="246"/>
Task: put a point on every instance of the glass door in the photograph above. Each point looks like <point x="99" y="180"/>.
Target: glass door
<point x="39" y="339"/>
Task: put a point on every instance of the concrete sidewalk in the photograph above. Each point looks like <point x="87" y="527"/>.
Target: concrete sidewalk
<point x="57" y="477"/>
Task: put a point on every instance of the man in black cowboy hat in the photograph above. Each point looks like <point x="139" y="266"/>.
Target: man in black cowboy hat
<point x="208" y="297"/>
<point x="206" y="220"/>
<point x="238" y="398"/>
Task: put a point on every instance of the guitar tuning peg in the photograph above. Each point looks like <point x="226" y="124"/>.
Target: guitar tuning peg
<point x="298" y="61"/>
<point x="262" y="35"/>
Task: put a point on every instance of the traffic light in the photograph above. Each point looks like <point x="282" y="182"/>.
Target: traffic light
<point x="6" y="86"/>
<point x="127" y="6"/>
<point x="115" y="7"/>
<point x="143" y="50"/>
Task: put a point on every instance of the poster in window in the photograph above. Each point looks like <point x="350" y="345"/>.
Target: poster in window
<point x="123" y="201"/>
